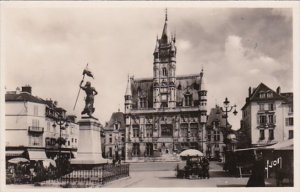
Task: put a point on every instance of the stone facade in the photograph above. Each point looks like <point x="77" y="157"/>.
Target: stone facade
<point x="167" y="113"/>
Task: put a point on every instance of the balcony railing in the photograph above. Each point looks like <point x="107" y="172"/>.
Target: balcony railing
<point x="32" y="129"/>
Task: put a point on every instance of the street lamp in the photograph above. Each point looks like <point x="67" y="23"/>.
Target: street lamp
<point x="227" y="108"/>
<point x="63" y="124"/>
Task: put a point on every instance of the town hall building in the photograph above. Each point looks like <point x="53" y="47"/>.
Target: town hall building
<point x="167" y="113"/>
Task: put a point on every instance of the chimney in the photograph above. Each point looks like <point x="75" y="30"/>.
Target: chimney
<point x="27" y="89"/>
<point x="278" y="90"/>
<point x="249" y="91"/>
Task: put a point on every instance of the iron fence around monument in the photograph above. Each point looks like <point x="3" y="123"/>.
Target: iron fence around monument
<point x="96" y="176"/>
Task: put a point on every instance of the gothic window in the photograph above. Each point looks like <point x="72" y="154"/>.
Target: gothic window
<point x="136" y="131"/>
<point x="136" y="149"/>
<point x="143" y="102"/>
<point x="165" y="73"/>
<point x="188" y="99"/>
<point x="166" y="130"/>
<point x="184" y="129"/>
<point x="194" y="132"/>
<point x="149" y="130"/>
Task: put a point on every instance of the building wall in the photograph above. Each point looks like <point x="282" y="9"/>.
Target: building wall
<point x="19" y="117"/>
<point x="28" y="126"/>
<point x="279" y="115"/>
<point x="288" y="112"/>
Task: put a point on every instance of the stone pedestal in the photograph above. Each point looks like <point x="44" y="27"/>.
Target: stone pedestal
<point x="89" y="153"/>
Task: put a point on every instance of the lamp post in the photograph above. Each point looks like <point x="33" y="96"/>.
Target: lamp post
<point x="63" y="124"/>
<point x="227" y="108"/>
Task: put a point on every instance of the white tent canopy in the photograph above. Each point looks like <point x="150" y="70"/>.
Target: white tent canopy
<point x="191" y="153"/>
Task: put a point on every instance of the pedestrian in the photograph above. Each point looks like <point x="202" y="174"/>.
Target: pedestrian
<point x="205" y="168"/>
<point x="257" y="178"/>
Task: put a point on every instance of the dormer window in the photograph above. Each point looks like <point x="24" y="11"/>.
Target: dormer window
<point x="116" y="126"/>
<point x="269" y="95"/>
<point x="262" y="95"/>
<point x="188" y="99"/>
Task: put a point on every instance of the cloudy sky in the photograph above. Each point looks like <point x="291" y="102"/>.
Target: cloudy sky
<point x="48" y="47"/>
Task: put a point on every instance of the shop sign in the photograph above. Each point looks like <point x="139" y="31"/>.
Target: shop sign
<point x="274" y="163"/>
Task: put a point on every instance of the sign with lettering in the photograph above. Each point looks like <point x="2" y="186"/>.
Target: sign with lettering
<point x="274" y="163"/>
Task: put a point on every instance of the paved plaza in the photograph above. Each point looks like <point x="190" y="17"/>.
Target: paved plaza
<point x="163" y="174"/>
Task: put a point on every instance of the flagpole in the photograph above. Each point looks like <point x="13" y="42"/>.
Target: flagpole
<point x="79" y="89"/>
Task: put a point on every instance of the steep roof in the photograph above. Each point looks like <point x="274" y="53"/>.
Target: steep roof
<point x="116" y="117"/>
<point x="183" y="84"/>
<point x="23" y="97"/>
<point x="262" y="88"/>
<point x="216" y="115"/>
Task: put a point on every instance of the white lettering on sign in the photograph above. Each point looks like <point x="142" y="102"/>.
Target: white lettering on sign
<point x="274" y="163"/>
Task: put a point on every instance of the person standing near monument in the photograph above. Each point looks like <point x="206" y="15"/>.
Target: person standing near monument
<point x="89" y="99"/>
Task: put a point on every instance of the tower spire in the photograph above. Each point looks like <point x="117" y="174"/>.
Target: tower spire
<point x="164" y="36"/>
<point x="166" y="19"/>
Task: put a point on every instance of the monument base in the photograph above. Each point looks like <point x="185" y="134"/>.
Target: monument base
<point x="89" y="152"/>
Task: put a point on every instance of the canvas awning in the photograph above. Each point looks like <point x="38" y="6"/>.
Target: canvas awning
<point x="37" y="155"/>
<point x="16" y="153"/>
<point x="283" y="145"/>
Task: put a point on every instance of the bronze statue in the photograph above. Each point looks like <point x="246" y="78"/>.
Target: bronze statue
<point x="89" y="99"/>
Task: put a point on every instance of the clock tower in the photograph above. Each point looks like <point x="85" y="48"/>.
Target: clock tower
<point x="164" y="68"/>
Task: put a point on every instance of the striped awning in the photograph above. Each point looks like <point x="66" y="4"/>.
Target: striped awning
<point x="16" y="153"/>
<point x="37" y="155"/>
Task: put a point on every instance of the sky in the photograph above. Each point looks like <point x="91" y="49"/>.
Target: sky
<point x="48" y="48"/>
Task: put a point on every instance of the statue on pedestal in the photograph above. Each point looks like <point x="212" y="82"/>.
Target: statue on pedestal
<point x="89" y="99"/>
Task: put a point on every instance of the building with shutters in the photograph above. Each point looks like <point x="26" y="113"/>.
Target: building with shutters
<point x="217" y="133"/>
<point x="31" y="130"/>
<point x="167" y="113"/>
<point x="114" y="137"/>
<point x="267" y="117"/>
